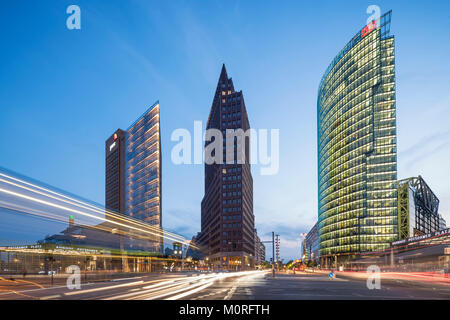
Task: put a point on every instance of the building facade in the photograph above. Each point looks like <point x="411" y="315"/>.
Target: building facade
<point x="260" y="250"/>
<point x="133" y="176"/>
<point x="357" y="147"/>
<point x="143" y="168"/>
<point x="312" y="244"/>
<point x="442" y="223"/>
<point x="115" y="172"/>
<point x="227" y="220"/>
<point x="418" y="208"/>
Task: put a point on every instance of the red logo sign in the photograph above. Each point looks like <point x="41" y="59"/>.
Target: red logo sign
<point x="115" y="136"/>
<point x="367" y="29"/>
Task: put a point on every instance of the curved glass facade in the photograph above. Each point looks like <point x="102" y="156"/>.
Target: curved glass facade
<point x="357" y="155"/>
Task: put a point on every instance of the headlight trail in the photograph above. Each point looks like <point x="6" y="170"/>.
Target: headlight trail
<point x="181" y="287"/>
<point x="116" y="219"/>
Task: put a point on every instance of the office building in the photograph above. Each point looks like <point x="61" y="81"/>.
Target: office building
<point x="133" y="176"/>
<point x="143" y="168"/>
<point x="260" y="250"/>
<point x="357" y="147"/>
<point x="227" y="220"/>
<point x="115" y="172"/>
<point x="312" y="244"/>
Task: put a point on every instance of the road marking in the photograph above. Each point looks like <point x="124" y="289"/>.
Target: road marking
<point x="103" y="288"/>
<point x="188" y="293"/>
<point x="50" y="297"/>
<point x="122" y="279"/>
<point x="48" y="288"/>
<point x="230" y="293"/>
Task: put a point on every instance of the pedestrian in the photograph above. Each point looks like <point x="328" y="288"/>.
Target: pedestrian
<point x="24" y="272"/>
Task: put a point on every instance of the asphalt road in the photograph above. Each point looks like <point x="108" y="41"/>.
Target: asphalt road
<point x="233" y="286"/>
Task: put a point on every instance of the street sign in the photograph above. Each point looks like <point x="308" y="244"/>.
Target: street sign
<point x="331" y="275"/>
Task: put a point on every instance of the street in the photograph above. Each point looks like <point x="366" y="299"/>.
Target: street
<point x="250" y="285"/>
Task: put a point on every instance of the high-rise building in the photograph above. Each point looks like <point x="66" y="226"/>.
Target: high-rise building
<point x="115" y="172"/>
<point x="227" y="220"/>
<point x="260" y="249"/>
<point x="357" y="152"/>
<point x="133" y="175"/>
<point x="143" y="168"/>
<point x="312" y="244"/>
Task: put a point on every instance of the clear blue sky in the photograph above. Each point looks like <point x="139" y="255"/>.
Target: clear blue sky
<point x="63" y="92"/>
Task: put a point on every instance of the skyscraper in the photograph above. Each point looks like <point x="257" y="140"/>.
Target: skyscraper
<point x="227" y="220"/>
<point x="143" y="168"/>
<point x="133" y="175"/>
<point x="357" y="152"/>
<point x="115" y="172"/>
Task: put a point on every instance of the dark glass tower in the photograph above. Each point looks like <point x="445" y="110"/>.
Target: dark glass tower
<point x="227" y="221"/>
<point x="115" y="171"/>
<point x="357" y="146"/>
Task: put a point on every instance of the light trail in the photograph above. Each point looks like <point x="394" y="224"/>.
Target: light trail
<point x="16" y="194"/>
<point x="103" y="288"/>
<point x="131" y="223"/>
<point x="181" y="287"/>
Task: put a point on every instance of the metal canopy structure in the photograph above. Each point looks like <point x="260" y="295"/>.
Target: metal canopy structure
<point x="425" y="201"/>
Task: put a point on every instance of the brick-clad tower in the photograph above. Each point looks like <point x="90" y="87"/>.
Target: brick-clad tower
<point x="227" y="220"/>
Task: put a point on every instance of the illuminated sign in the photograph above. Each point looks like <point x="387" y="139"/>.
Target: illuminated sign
<point x="115" y="136"/>
<point x="423" y="237"/>
<point x="367" y="29"/>
<point x="112" y="146"/>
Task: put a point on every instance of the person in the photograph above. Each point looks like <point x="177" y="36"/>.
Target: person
<point x="24" y="272"/>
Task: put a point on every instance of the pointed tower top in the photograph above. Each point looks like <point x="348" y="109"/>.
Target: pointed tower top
<point x="223" y="73"/>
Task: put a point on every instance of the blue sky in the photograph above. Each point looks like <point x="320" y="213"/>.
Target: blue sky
<point x="63" y="92"/>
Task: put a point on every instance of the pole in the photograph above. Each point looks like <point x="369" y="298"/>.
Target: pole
<point x="278" y="252"/>
<point x="273" y="254"/>
<point x="51" y="269"/>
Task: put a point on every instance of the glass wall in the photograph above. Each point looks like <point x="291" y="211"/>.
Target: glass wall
<point x="357" y="156"/>
<point x="143" y="168"/>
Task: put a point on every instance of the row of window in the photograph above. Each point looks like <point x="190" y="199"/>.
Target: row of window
<point x="231" y="225"/>
<point x="231" y="186"/>
<point x="232" y="178"/>
<point x="231" y="115"/>
<point x="231" y="201"/>
<point x="231" y="194"/>
<point x="231" y="123"/>
<point x="231" y="209"/>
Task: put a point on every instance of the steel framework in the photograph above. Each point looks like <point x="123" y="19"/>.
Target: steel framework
<point x="425" y="201"/>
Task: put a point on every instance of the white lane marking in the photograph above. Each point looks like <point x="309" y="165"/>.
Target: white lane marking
<point x="103" y="288"/>
<point x="48" y="288"/>
<point x="188" y="293"/>
<point x="50" y="297"/>
<point x="122" y="279"/>
<point x="179" y="290"/>
<point x="155" y="287"/>
<point x="230" y="293"/>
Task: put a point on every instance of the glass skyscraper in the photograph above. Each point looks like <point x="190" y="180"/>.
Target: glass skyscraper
<point x="143" y="168"/>
<point x="357" y="153"/>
